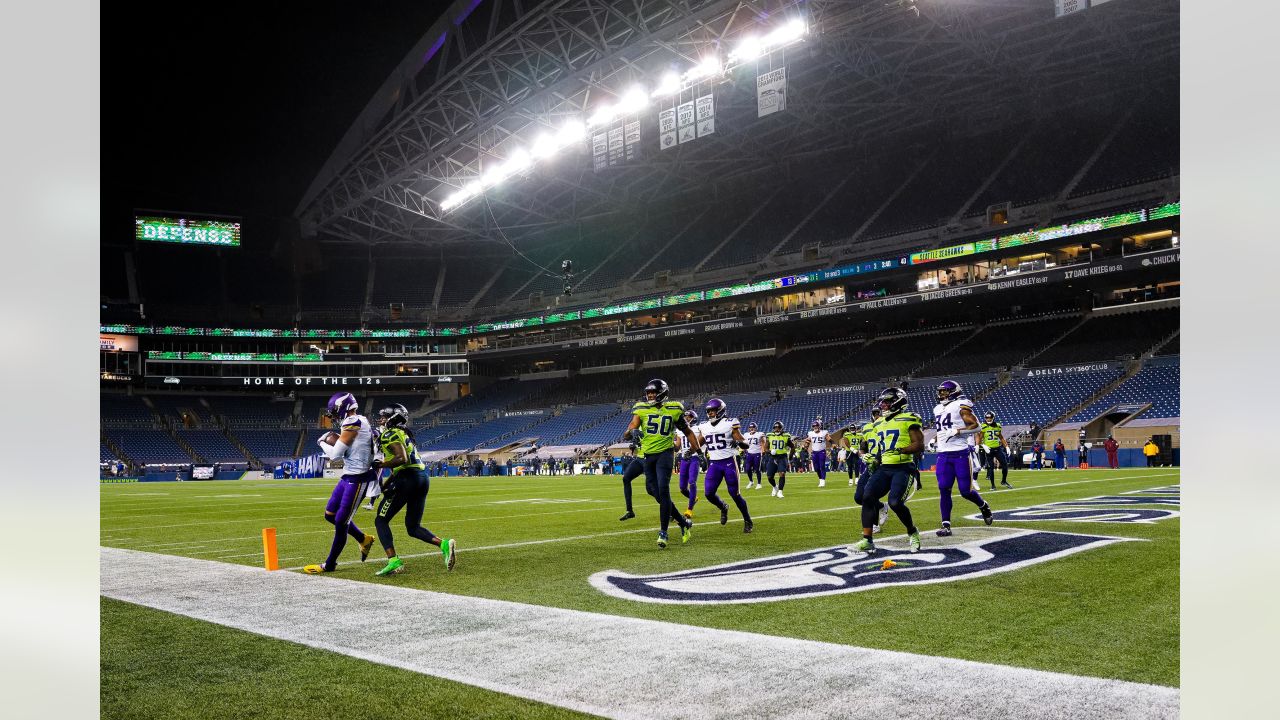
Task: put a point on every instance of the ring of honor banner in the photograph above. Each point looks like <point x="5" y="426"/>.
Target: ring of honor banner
<point x="599" y="151"/>
<point x="631" y="140"/>
<point x="771" y="92"/>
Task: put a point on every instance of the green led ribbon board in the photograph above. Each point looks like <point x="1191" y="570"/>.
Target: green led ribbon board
<point x="187" y="231"/>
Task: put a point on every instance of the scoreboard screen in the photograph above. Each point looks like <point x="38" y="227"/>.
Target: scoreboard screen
<point x="224" y="232"/>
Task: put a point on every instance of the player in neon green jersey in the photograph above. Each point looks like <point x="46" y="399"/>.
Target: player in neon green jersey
<point x="898" y="436"/>
<point x="993" y="440"/>
<point x="778" y="445"/>
<point x="659" y="419"/>
<point x="407" y="488"/>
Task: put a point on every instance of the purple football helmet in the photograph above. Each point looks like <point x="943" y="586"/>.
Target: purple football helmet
<point x="341" y="404"/>
<point x="816" y="424"/>
<point x="948" y="390"/>
<point x="752" y="427"/>
<point x="716" y="409"/>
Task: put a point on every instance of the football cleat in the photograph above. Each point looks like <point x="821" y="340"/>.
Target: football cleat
<point x="986" y="513"/>
<point x="864" y="546"/>
<point x="317" y="569"/>
<point x="822" y="483"/>
<point x="688" y="514"/>
<point x="393" y="567"/>
<point x="850" y="482"/>
<point x="724" y="514"/>
<point x="875" y="529"/>
<point x="914" y="541"/>
<point x="779" y="493"/>
<point x="883" y="516"/>
<point x="1006" y="484"/>
<point x="365" y="545"/>
<point x="627" y="516"/>
<point x="747" y="526"/>
<point x="945" y="530"/>
<point x="774" y="492"/>
<point x="686" y="533"/>
<point x="368" y="505"/>
<point x="449" y="547"/>
<point x="662" y="539"/>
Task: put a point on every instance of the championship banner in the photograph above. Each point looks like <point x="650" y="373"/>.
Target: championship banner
<point x="615" y="145"/>
<point x="705" y="112"/>
<point x="631" y="140"/>
<point x="599" y="151"/>
<point x="667" y="129"/>
<point x="685" y="122"/>
<point x="771" y="92"/>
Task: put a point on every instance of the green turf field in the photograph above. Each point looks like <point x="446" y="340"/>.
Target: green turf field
<point x="1109" y="612"/>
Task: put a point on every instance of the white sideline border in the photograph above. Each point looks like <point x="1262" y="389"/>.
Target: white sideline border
<point x="617" y="667"/>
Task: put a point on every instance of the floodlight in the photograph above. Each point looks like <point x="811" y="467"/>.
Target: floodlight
<point x="518" y="161"/>
<point x="570" y="132"/>
<point x="603" y="116"/>
<point x="543" y="147"/>
<point x="707" y="67"/>
<point x="669" y="85"/>
<point x="749" y="48"/>
<point x="790" y="32"/>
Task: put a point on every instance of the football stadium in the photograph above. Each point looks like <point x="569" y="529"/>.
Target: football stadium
<point x="698" y="359"/>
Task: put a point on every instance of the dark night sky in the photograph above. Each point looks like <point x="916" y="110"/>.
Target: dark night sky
<point x="232" y="108"/>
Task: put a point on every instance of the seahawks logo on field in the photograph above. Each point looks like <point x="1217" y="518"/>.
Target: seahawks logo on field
<point x="1136" y="506"/>
<point x="834" y="570"/>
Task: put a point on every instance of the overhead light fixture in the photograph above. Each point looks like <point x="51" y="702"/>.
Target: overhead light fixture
<point x="634" y="99"/>
<point x="602" y="116"/>
<point x="709" y="66"/>
<point x="543" y="147"/>
<point x="570" y="133"/>
<point x="669" y="85"/>
<point x="749" y="48"/>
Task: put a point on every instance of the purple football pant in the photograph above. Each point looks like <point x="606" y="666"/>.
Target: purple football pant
<point x="343" y="501"/>
<point x="689" y="481"/>
<point x="727" y="471"/>
<point x="954" y="465"/>
<point x="820" y="463"/>
<point x="751" y="465"/>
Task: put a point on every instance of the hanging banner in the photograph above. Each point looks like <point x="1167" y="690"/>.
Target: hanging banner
<point x="615" y="145"/>
<point x="667" y="128"/>
<point x="599" y="151"/>
<point x="706" y="115"/>
<point x="685" y="122"/>
<point x="631" y="139"/>
<point x="771" y="92"/>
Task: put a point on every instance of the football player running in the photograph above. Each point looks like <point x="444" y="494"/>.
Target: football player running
<point x="955" y="423"/>
<point x="406" y="489"/>
<point x="993" y="439"/>
<point x="660" y="419"/>
<point x="751" y="461"/>
<point x="688" y="465"/>
<point x="898" y="437"/>
<point x="780" y="446"/>
<point x="816" y="443"/>
<point x="354" y="446"/>
<point x="720" y="435"/>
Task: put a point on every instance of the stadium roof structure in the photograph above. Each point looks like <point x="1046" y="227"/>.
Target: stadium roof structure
<point x="490" y="76"/>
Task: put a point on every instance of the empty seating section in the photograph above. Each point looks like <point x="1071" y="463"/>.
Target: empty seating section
<point x="105" y="454"/>
<point x="124" y="411"/>
<point x="313" y="407"/>
<point x="999" y="346"/>
<point x="1146" y="148"/>
<point x="1108" y="337"/>
<point x="939" y="190"/>
<point x="477" y="434"/>
<point x="401" y="280"/>
<point x="1045" y="397"/>
<point x="322" y="289"/>
<point x="274" y="444"/>
<point x="884" y="358"/>
<point x="175" y="406"/>
<point x="251" y="411"/>
<point x="371" y="404"/>
<point x="147" y="445"/>
<point x="704" y="235"/>
<point x="923" y="392"/>
<point x="1158" y="385"/>
<point x="1170" y="348"/>
<point x="462" y="280"/>
<point x="654" y="233"/>
<point x="849" y="208"/>
<point x="499" y="395"/>
<point x="1055" y="151"/>
<point x="211" y="445"/>
<point x="782" y="213"/>
<point x="606" y="421"/>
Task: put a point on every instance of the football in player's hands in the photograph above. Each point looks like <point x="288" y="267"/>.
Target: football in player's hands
<point x="330" y="438"/>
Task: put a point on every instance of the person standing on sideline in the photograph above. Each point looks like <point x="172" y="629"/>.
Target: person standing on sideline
<point x="1152" y="452"/>
<point x="1059" y="455"/>
<point x="1037" y="455"/>
<point x="1113" y="448"/>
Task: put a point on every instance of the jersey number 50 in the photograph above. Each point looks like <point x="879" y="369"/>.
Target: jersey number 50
<point x="658" y="426"/>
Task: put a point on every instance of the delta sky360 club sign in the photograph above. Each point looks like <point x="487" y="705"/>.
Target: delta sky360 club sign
<point x="835" y="570"/>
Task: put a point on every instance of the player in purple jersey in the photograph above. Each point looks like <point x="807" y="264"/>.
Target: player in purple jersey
<point x="720" y="435"/>
<point x="354" y="446"/>
<point x="955" y="423"/>
<point x="689" y="466"/>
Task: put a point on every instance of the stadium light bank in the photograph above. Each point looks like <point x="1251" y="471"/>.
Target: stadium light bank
<point x="633" y="100"/>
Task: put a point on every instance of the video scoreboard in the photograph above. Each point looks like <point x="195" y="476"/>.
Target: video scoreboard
<point x="187" y="229"/>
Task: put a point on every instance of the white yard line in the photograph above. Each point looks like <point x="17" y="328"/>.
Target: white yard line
<point x="617" y="667"/>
